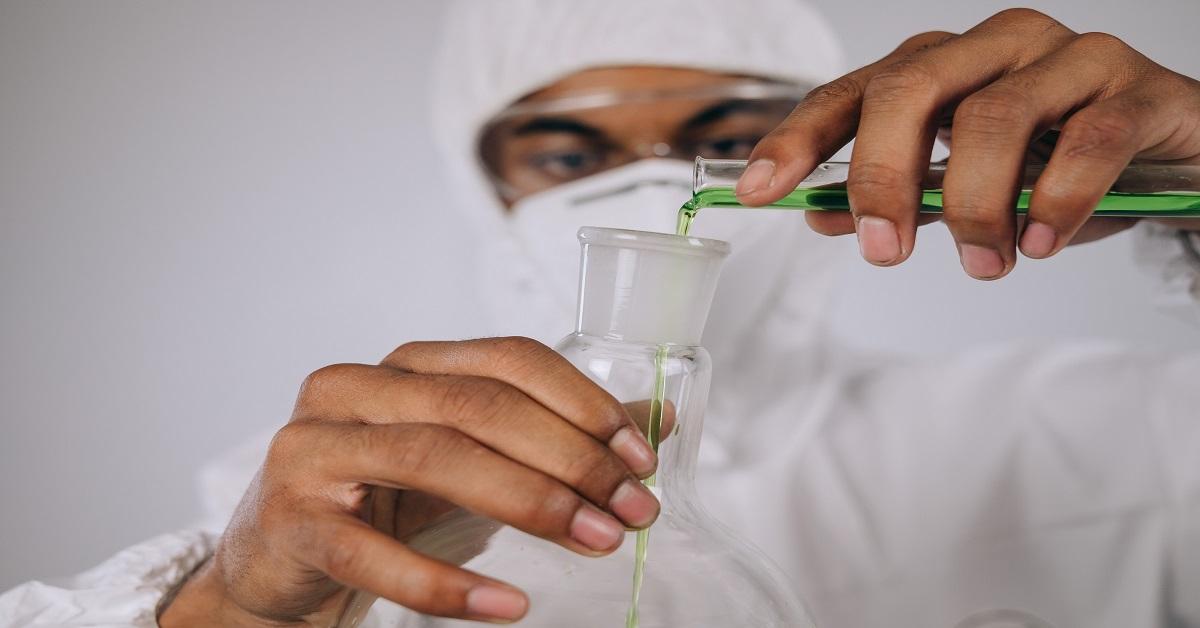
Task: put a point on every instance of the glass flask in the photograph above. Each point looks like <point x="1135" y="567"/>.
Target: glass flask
<point x="643" y="301"/>
<point x="1142" y="190"/>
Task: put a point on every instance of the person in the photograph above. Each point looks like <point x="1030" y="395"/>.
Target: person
<point x="1052" y="484"/>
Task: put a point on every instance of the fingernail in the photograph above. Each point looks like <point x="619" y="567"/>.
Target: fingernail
<point x="489" y="600"/>
<point x="634" y="504"/>
<point x="1038" y="240"/>
<point x="757" y="176"/>
<point x="596" y="530"/>
<point x="878" y="240"/>
<point x="981" y="262"/>
<point x="632" y="447"/>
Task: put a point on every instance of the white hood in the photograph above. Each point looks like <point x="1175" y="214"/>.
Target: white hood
<point x="492" y="53"/>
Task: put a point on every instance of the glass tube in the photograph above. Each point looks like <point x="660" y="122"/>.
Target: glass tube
<point x="1142" y="190"/>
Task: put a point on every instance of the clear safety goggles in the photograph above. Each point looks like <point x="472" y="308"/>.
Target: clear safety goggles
<point x="535" y="145"/>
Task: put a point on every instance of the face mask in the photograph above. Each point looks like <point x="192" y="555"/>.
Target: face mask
<point x="646" y="196"/>
<point x="642" y="196"/>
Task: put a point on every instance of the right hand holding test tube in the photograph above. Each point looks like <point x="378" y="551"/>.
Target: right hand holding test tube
<point x="1016" y="77"/>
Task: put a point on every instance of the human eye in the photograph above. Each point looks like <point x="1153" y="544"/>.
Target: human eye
<point x="568" y="164"/>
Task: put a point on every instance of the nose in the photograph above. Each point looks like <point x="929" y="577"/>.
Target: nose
<point x="652" y="149"/>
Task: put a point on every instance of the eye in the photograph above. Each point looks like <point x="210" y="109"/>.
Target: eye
<point x="732" y="147"/>
<point x="568" y="164"/>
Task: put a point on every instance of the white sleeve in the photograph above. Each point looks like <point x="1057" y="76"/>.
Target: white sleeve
<point x="1173" y="257"/>
<point x="123" y="591"/>
<point x="1060" y="481"/>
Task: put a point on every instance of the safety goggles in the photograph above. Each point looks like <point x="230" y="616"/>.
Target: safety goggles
<point x="535" y="145"/>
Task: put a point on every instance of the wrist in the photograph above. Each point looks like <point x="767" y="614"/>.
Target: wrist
<point x="202" y="600"/>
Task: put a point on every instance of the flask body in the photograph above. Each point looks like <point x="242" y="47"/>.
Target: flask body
<point x="643" y="301"/>
<point x="698" y="574"/>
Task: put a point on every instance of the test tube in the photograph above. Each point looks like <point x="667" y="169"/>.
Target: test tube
<point x="1142" y="189"/>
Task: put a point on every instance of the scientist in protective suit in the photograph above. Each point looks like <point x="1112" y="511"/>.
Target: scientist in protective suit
<point x="1058" y="483"/>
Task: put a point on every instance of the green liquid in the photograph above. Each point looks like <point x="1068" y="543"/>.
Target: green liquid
<point x="1122" y="204"/>
<point x="654" y="435"/>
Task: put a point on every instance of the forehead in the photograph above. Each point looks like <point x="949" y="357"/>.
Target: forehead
<point x="630" y="79"/>
<point x="639" y="114"/>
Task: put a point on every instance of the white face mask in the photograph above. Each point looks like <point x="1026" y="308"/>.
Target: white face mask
<point x="646" y="196"/>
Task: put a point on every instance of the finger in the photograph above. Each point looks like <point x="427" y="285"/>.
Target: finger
<point x="413" y="510"/>
<point x="901" y="110"/>
<point x="641" y="413"/>
<point x="1095" y="145"/>
<point x="495" y="414"/>
<point x="545" y="376"/>
<point x="992" y="132"/>
<point x="819" y="126"/>
<point x="445" y="463"/>
<point x="355" y="555"/>
<point x="839" y="223"/>
<point x="830" y="223"/>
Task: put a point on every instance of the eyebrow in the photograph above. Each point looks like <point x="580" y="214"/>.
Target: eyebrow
<point x="725" y="109"/>
<point x="558" y="125"/>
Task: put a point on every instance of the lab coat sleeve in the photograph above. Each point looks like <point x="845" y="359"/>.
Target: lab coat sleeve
<point x="127" y="589"/>
<point x="1172" y="257"/>
<point x="1055" y="480"/>
<point x="123" y="591"/>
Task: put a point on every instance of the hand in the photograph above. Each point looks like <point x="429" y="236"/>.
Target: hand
<point x="1000" y="85"/>
<point x="502" y="427"/>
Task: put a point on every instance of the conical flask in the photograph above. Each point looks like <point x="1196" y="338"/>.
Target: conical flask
<point x="643" y="301"/>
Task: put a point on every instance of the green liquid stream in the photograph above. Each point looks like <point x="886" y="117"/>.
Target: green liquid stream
<point x="654" y="435"/>
<point x="1160" y="204"/>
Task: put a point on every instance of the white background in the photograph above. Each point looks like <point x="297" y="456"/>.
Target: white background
<point x="201" y="202"/>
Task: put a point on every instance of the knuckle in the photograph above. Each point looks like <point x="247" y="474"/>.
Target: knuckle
<point x="1023" y="16"/>
<point x="978" y="218"/>
<point x="554" y="509"/>
<point x="873" y="174"/>
<point x="924" y="41"/>
<point x="609" y="416"/>
<point x="288" y="442"/>
<point x="402" y="352"/>
<point x="519" y="355"/>
<point x="476" y="398"/>
<point x="1101" y="42"/>
<point x="997" y="108"/>
<point x="838" y="91"/>
<point x="519" y="348"/>
<point x="1094" y="134"/>
<point x="596" y="473"/>
<point x="417" y="448"/>
<point x="903" y="80"/>
<point x="322" y="380"/>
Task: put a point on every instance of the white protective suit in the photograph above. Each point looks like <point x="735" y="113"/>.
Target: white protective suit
<point x="1060" y="483"/>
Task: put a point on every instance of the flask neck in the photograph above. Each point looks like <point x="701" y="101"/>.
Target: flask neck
<point x="639" y="375"/>
<point x="686" y="374"/>
<point x="649" y="288"/>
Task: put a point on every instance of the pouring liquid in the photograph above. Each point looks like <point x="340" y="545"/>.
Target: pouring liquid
<point x="654" y="435"/>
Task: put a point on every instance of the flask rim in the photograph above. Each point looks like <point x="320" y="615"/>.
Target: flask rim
<point x="628" y="238"/>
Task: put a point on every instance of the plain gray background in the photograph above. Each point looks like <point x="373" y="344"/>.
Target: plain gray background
<point x="201" y="202"/>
